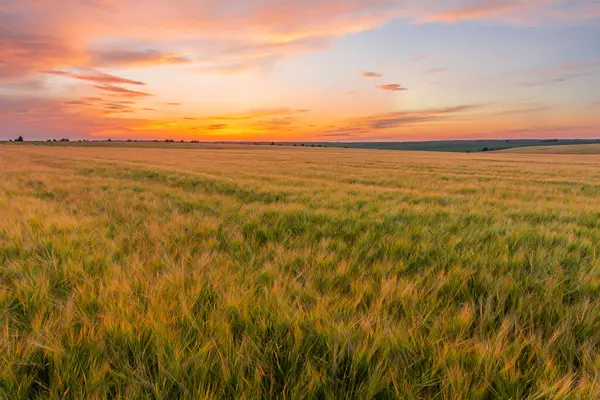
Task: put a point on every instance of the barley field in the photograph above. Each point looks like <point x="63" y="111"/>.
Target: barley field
<point x="297" y="273"/>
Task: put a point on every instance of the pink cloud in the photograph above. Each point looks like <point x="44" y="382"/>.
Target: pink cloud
<point x="478" y="10"/>
<point x="392" y="87"/>
<point x="22" y="54"/>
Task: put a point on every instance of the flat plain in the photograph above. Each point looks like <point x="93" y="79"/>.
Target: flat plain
<point x="282" y="272"/>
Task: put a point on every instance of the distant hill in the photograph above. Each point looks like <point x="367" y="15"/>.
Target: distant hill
<point x="568" y="149"/>
<point x="464" y="145"/>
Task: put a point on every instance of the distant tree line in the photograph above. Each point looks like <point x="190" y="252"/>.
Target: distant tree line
<point x="20" y="139"/>
<point x="293" y="144"/>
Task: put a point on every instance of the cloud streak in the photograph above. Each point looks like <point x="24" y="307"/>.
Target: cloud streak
<point x="370" y="74"/>
<point x="435" y="70"/>
<point x="91" y="75"/>
<point x="117" y="90"/>
<point x="259" y="113"/>
<point x="135" y="58"/>
<point x="558" y="79"/>
<point x="364" y="128"/>
<point x="392" y="87"/>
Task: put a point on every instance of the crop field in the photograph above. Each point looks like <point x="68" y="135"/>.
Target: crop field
<point x="283" y="272"/>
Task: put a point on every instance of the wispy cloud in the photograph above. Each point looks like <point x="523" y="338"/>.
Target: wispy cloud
<point x="392" y="87"/>
<point x="240" y="66"/>
<point x="91" y="75"/>
<point x="482" y="10"/>
<point x="435" y="70"/>
<point x="255" y="114"/>
<point x="135" y="57"/>
<point x="370" y="74"/>
<point x="558" y="79"/>
<point x="539" y="131"/>
<point x="526" y="110"/>
<point x="419" y="58"/>
<point x="577" y="66"/>
<point x="104" y="106"/>
<point x="257" y="56"/>
<point x="403" y="119"/>
<point x="121" y="91"/>
<point x="344" y="131"/>
<point x="278" y="124"/>
<point x="337" y="135"/>
<point x="560" y="73"/>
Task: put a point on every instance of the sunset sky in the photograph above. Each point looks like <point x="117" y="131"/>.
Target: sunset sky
<point x="327" y="70"/>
